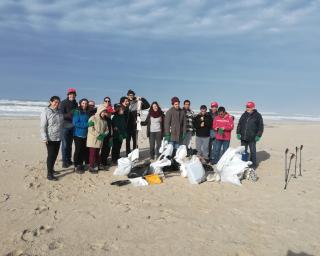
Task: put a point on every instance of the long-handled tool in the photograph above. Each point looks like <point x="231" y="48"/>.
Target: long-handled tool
<point x="300" y="162"/>
<point x="295" y="164"/>
<point x="285" y="164"/>
<point x="288" y="170"/>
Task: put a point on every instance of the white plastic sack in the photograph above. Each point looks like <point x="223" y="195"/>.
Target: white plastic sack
<point x="134" y="155"/>
<point x="139" y="182"/>
<point x="195" y="170"/>
<point x="164" y="144"/>
<point x="124" y="167"/>
<point x="181" y="158"/>
<point x="167" y="151"/>
<point x="231" y="165"/>
<point x="156" y="167"/>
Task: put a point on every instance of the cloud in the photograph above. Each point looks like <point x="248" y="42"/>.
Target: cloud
<point x="162" y="18"/>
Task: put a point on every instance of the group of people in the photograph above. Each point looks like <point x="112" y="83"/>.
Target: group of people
<point x="99" y="131"/>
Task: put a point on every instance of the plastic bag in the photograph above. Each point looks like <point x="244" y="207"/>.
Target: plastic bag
<point x="134" y="155"/>
<point x="124" y="167"/>
<point x="195" y="170"/>
<point x="164" y="144"/>
<point x="139" y="182"/>
<point x="181" y="156"/>
<point x="156" y="167"/>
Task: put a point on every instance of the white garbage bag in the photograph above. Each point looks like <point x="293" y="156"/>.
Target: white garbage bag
<point x="156" y="167"/>
<point x="124" y="166"/>
<point x="134" y="155"/>
<point x="230" y="167"/>
<point x="139" y="182"/>
<point x="181" y="158"/>
<point x="195" y="170"/>
<point x="164" y="144"/>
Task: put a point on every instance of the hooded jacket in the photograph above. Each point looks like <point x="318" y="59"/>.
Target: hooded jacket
<point x="250" y="126"/>
<point x="97" y="126"/>
<point x="51" y="125"/>
<point x="175" y="124"/>
<point x="80" y="123"/>
<point x="226" y="123"/>
<point x="132" y="113"/>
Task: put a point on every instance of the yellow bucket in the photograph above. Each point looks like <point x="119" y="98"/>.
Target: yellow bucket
<point x="153" y="179"/>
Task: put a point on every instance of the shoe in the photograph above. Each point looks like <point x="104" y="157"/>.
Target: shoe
<point x="102" y="167"/>
<point x="79" y="169"/>
<point x="65" y="165"/>
<point x="93" y="170"/>
<point x="52" y="178"/>
<point x="70" y="163"/>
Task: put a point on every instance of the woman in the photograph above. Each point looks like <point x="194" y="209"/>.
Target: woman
<point x="97" y="131"/>
<point x="154" y="123"/>
<point x="51" y="129"/>
<point x="80" y="124"/>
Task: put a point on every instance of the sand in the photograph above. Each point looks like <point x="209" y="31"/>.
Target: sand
<point x="84" y="215"/>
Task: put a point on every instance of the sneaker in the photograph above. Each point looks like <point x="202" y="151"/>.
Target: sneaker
<point x="52" y="178"/>
<point x="65" y="165"/>
<point x="78" y="169"/>
<point x="93" y="170"/>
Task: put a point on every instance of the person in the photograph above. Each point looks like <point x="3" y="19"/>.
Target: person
<point x="213" y="113"/>
<point x="154" y="123"/>
<point x="189" y="126"/>
<point x="203" y="123"/>
<point x="250" y="129"/>
<point x="222" y="125"/>
<point x="51" y="128"/>
<point x="97" y="131"/>
<point x="175" y="124"/>
<point x="67" y="107"/>
<point x="107" y="101"/>
<point x="132" y="133"/>
<point x="108" y="141"/>
<point x="92" y="108"/>
<point x="80" y="123"/>
<point x="119" y="127"/>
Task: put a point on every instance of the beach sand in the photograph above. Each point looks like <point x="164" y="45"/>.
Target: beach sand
<point x="85" y="215"/>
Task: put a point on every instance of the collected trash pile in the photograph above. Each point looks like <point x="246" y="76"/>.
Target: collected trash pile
<point x="231" y="167"/>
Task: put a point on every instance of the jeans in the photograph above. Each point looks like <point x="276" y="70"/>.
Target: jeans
<point x="211" y="148"/>
<point x="202" y="146"/>
<point x="132" y="134"/>
<point x="81" y="152"/>
<point x="67" y="139"/>
<point x="155" y="143"/>
<point x="53" y="151"/>
<point x="253" y="151"/>
<point x="94" y="157"/>
<point x="218" y="144"/>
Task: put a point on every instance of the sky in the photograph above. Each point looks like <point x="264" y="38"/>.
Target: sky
<point x="203" y="50"/>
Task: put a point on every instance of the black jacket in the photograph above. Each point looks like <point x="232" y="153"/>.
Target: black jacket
<point x="250" y="126"/>
<point x="66" y="107"/>
<point x="207" y="121"/>
<point x="132" y="113"/>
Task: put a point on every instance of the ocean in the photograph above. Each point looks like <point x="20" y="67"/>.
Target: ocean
<point x="25" y="109"/>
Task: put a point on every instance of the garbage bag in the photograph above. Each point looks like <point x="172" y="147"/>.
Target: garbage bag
<point x="139" y="182"/>
<point x="156" y="167"/>
<point x="195" y="170"/>
<point x="134" y="155"/>
<point x="181" y="158"/>
<point x="124" y="166"/>
<point x="164" y="144"/>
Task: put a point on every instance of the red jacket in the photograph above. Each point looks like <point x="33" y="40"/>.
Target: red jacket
<point x="226" y="123"/>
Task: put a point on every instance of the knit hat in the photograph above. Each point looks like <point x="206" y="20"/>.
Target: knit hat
<point x="250" y="104"/>
<point x="214" y="104"/>
<point x="71" y="90"/>
<point x="174" y="100"/>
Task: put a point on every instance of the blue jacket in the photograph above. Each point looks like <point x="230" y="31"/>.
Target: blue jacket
<point x="80" y="123"/>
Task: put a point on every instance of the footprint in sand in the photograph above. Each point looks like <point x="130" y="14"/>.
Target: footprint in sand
<point x="17" y="253"/>
<point x="55" y="244"/>
<point x="30" y="235"/>
<point x="4" y="197"/>
<point x="41" y="209"/>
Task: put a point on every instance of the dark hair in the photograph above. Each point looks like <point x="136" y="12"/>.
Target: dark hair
<point x="117" y="107"/>
<point x="107" y="98"/>
<point x="154" y="103"/>
<point x="53" y="98"/>
<point x="221" y="109"/>
<point x="122" y="99"/>
<point x="186" y="101"/>
<point x="80" y="101"/>
<point x="203" y="107"/>
<point x="131" y="92"/>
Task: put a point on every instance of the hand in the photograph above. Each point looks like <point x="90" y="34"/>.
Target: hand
<point x="202" y="124"/>
<point x="239" y="136"/>
<point x="221" y="131"/>
<point x="101" y="136"/>
<point x="90" y="123"/>
<point x="257" y="138"/>
<point x="45" y="141"/>
<point x="167" y="137"/>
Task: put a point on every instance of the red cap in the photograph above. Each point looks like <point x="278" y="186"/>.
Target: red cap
<point x="71" y="90"/>
<point x="110" y="109"/>
<point x="214" y="104"/>
<point x="174" y="100"/>
<point x="250" y="104"/>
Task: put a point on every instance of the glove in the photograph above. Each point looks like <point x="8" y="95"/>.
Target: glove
<point x="239" y="136"/>
<point x="90" y="123"/>
<point x="220" y="131"/>
<point x="101" y="136"/>
<point x="257" y="138"/>
<point x="182" y="136"/>
<point x="167" y="137"/>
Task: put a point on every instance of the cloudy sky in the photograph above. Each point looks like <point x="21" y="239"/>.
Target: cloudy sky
<point x="230" y="51"/>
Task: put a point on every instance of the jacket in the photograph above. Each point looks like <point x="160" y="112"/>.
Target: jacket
<point x="119" y="127"/>
<point x="206" y="120"/>
<point x="226" y="123"/>
<point x="80" y="123"/>
<point x="147" y="123"/>
<point x="250" y="126"/>
<point x="189" y="120"/>
<point x="51" y="125"/>
<point x="175" y="124"/>
<point x="67" y="107"/>
<point x="97" y="127"/>
<point x="132" y="113"/>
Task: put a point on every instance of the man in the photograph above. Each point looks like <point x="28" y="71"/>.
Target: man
<point x="175" y="124"/>
<point x="132" y="114"/>
<point x="189" y="126"/>
<point x="67" y="107"/>
<point x="92" y="108"/>
<point x="202" y="125"/>
<point x="213" y="113"/>
<point x="250" y="129"/>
